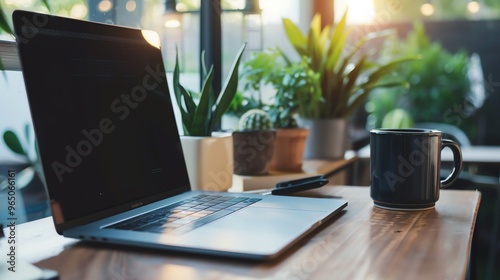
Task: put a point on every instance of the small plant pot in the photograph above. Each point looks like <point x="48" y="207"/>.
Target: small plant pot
<point x="327" y="138"/>
<point x="289" y="149"/>
<point x="253" y="151"/>
<point x="209" y="161"/>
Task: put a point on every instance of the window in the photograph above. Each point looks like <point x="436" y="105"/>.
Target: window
<point x="458" y="27"/>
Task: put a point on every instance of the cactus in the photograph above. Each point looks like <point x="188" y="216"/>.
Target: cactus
<point x="283" y="119"/>
<point x="255" y="119"/>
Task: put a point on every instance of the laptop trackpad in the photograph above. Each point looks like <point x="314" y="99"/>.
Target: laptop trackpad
<point x="256" y="230"/>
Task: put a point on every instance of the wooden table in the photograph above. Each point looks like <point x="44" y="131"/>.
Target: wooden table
<point x="363" y="242"/>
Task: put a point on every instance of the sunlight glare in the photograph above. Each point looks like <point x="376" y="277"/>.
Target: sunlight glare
<point x="473" y="7"/>
<point x="131" y="5"/>
<point x="151" y="37"/>
<point x="274" y="10"/>
<point x="360" y="11"/>
<point x="78" y="11"/>
<point x="105" y="6"/>
<point x="427" y="9"/>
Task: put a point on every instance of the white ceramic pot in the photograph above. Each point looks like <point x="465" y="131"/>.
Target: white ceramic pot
<point x="209" y="161"/>
<point x="327" y="138"/>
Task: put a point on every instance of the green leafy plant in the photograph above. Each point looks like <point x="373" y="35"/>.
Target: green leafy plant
<point x="345" y="79"/>
<point x="28" y="154"/>
<point x="255" y="119"/>
<point x="202" y="118"/>
<point x="437" y="81"/>
<point x="4" y="25"/>
<point x="296" y="85"/>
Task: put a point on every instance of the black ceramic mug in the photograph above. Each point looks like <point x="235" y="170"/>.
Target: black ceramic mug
<point x="405" y="167"/>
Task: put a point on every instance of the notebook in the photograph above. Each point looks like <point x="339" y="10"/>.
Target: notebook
<point x="111" y="154"/>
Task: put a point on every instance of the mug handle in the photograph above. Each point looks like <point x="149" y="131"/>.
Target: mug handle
<point x="457" y="162"/>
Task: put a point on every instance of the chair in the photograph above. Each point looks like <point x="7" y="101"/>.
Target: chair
<point x="485" y="254"/>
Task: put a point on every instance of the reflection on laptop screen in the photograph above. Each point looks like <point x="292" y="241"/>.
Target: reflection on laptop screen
<point x="100" y="105"/>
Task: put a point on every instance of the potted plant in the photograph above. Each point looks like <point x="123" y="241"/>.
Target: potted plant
<point x="253" y="143"/>
<point x="209" y="159"/>
<point x="439" y="87"/>
<point x="289" y="144"/>
<point x="346" y="78"/>
<point x="295" y="85"/>
<point x="298" y="87"/>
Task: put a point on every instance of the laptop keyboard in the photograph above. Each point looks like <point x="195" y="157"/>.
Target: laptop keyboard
<point x="185" y="215"/>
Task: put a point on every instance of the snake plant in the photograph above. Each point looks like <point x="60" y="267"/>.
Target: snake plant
<point x="202" y="118"/>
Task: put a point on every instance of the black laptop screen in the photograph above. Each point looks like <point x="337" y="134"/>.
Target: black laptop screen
<point x="102" y="114"/>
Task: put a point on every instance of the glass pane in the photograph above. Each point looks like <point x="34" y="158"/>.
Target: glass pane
<point x="384" y="11"/>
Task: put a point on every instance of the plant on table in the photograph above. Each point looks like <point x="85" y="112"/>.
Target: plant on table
<point x="295" y="86"/>
<point x="347" y="75"/>
<point x="202" y="118"/>
<point x="201" y="115"/>
<point x="253" y="143"/>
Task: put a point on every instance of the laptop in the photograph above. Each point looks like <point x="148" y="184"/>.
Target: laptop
<point x="111" y="154"/>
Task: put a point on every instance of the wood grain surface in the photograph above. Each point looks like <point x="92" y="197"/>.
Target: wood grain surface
<point x="363" y="242"/>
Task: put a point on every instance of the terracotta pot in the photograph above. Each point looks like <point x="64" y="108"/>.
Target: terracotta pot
<point x="253" y="151"/>
<point x="289" y="149"/>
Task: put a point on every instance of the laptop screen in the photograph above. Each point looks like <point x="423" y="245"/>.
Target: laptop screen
<point x="102" y="114"/>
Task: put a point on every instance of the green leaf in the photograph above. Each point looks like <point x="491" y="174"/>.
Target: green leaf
<point x="347" y="91"/>
<point x="187" y="112"/>
<point x="285" y="57"/>
<point x="188" y="101"/>
<point x="204" y="72"/>
<point x="175" y="83"/>
<point x="323" y="37"/>
<point x="382" y="71"/>
<point x="314" y="47"/>
<point x="337" y="42"/>
<point x="4" y="24"/>
<point x="27" y="133"/>
<point x="46" y="4"/>
<point x="199" y="127"/>
<point x="295" y="36"/>
<point x="23" y="178"/>
<point x="13" y="143"/>
<point x="228" y="90"/>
